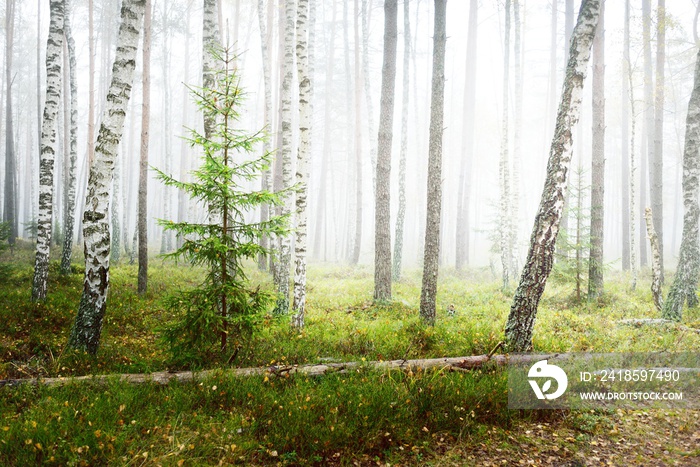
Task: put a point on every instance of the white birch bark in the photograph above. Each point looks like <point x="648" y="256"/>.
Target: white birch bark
<point x="685" y="282"/>
<point x="49" y="148"/>
<point x="655" y="260"/>
<point x="285" y="256"/>
<point x="523" y="311"/>
<point x="210" y="41"/>
<point x="267" y="119"/>
<point x="432" y="232"/>
<point x="302" y="169"/>
<point x="93" y="303"/>
<point x="504" y="164"/>
<point x="656" y="164"/>
<point x="70" y="195"/>
<point x="517" y="138"/>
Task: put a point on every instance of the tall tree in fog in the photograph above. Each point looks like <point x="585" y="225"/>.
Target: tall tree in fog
<point x="595" y="261"/>
<point x="210" y="41"/>
<point x="286" y="154"/>
<point x="685" y="282"/>
<point x="266" y="179"/>
<point x="505" y="221"/>
<point x="49" y="146"/>
<point x="143" y="158"/>
<point x="10" y="208"/>
<point x="86" y="331"/>
<point x="400" y="217"/>
<point x="355" y="257"/>
<point x="631" y="195"/>
<point x="166" y="241"/>
<point x="647" y="129"/>
<point x="71" y="176"/>
<point x="304" y="24"/>
<point x="432" y="231"/>
<point x="91" y="85"/>
<point x="625" y="149"/>
<point x="182" y="204"/>
<point x="366" y="5"/>
<point x="465" y="173"/>
<point x="538" y="265"/>
<point x="382" y="213"/>
<point x="656" y="165"/>
<point x="517" y="139"/>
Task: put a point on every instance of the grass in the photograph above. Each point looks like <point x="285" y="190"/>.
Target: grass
<point x="365" y="416"/>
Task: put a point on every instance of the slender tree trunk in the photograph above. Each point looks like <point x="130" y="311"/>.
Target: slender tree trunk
<point x="504" y="163"/>
<point x="400" y="217"/>
<point x="624" y="153"/>
<point x="517" y="130"/>
<point x="49" y="148"/>
<point x="432" y="232"/>
<point x="464" y="190"/>
<point x="38" y="106"/>
<point x="382" y="214"/>
<point x="166" y="241"/>
<point x="627" y="66"/>
<point x="595" y="260"/>
<point x="91" y="85"/>
<point x="647" y="129"/>
<point x="265" y="43"/>
<point x="143" y="158"/>
<point x="685" y="282"/>
<point x="286" y="154"/>
<point x="86" y="331"/>
<point x="302" y="175"/>
<point x="210" y="41"/>
<point x="368" y="89"/>
<point x="10" y="208"/>
<point x="70" y="193"/>
<point x="655" y="260"/>
<point x="184" y="151"/>
<point x="538" y="265"/>
<point x="568" y="30"/>
<point x="656" y="182"/>
<point x="357" y="244"/>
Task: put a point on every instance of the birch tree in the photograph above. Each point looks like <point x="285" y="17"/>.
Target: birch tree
<point x="11" y="189"/>
<point x="382" y="213"/>
<point x="432" y="232"/>
<point x="517" y="131"/>
<point x="523" y="311"/>
<point x="627" y="66"/>
<point x="400" y="217"/>
<point x="656" y="165"/>
<point x="303" y="155"/>
<point x="625" y="149"/>
<point x="210" y="41"/>
<point x="143" y="154"/>
<point x="357" y="244"/>
<point x="465" y="174"/>
<point x="49" y="147"/>
<point x="504" y="163"/>
<point x="595" y="262"/>
<point x="647" y="128"/>
<point x="286" y="154"/>
<point x="70" y="195"/>
<point x="266" y="180"/>
<point x="685" y="282"/>
<point x="86" y="331"/>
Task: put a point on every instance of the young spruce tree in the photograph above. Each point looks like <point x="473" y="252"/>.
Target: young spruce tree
<point x="224" y="306"/>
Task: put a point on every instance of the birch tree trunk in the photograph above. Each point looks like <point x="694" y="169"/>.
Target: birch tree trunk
<point x="523" y="311"/>
<point x="86" y="331"/>
<point x="70" y="194"/>
<point x="115" y="247"/>
<point x="49" y="148"/>
<point x="517" y="130"/>
<point x="633" y="159"/>
<point x="166" y="241"/>
<point x="625" y="150"/>
<point x="286" y="154"/>
<point x="432" y="232"/>
<point x="382" y="214"/>
<point x="656" y="166"/>
<point x="10" y="206"/>
<point x="143" y="158"/>
<point x="357" y="244"/>
<point x="595" y="259"/>
<point x="685" y="282"/>
<point x="210" y="41"/>
<point x="647" y="129"/>
<point x="504" y="163"/>
<point x="302" y="175"/>
<point x="655" y="260"/>
<point x="91" y="85"/>
<point x="464" y="190"/>
<point x="400" y="217"/>
<point x="267" y="118"/>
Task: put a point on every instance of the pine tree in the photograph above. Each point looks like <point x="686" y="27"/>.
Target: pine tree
<point x="224" y="306"/>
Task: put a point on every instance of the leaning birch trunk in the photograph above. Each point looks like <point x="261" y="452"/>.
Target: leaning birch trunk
<point x="93" y="303"/>
<point x="432" y="231"/>
<point x="503" y="166"/>
<point x="267" y="118"/>
<point x="401" y="215"/>
<point x="70" y="203"/>
<point x="523" y="311"/>
<point x="302" y="175"/>
<point x="655" y="260"/>
<point x="685" y="281"/>
<point x="285" y="255"/>
<point x="48" y="149"/>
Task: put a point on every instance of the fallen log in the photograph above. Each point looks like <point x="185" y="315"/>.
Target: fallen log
<point x="164" y="377"/>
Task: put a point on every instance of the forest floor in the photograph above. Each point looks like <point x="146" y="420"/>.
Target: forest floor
<point x="361" y="418"/>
